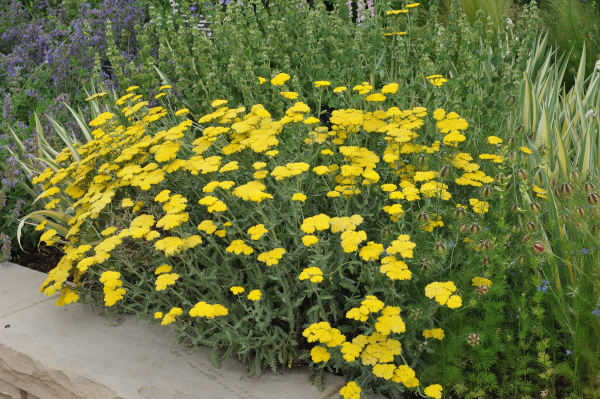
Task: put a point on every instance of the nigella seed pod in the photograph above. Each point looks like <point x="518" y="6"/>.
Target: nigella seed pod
<point x="475" y="228"/>
<point x="522" y="174"/>
<point x="566" y="189"/>
<point x="425" y="264"/>
<point x="538" y="247"/>
<point x="526" y="238"/>
<point x="486" y="261"/>
<point x="514" y="228"/>
<point x="482" y="289"/>
<point x="553" y="182"/>
<point x="463" y="228"/>
<point x="486" y="191"/>
<point x="593" y="198"/>
<point x="589" y="187"/>
<point x="522" y="259"/>
<point x="421" y="159"/>
<point x="531" y="227"/>
<point x="557" y="193"/>
<point x="473" y="339"/>
<point x="511" y="141"/>
<point x="520" y="128"/>
<point x="422" y="217"/>
<point x="489" y="244"/>
<point x="579" y="210"/>
<point x="460" y="212"/>
<point x="574" y="175"/>
<point x="445" y="171"/>
<point x="440" y="248"/>
<point x="535" y="208"/>
<point x="512" y="156"/>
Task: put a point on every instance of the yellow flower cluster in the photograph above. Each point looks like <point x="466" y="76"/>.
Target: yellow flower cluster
<point x="443" y="294"/>
<point x="481" y="281"/>
<point x="113" y="292"/>
<point x="323" y="332"/>
<point x="203" y="309"/>
<point x="313" y="274"/>
<point x="436" y="333"/>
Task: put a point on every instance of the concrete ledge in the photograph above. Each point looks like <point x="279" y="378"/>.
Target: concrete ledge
<point x="70" y="353"/>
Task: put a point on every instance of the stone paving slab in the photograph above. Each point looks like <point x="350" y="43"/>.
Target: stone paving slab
<point x="70" y="352"/>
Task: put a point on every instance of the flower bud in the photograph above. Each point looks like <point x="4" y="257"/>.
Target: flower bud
<point x="440" y="248"/>
<point x="486" y="191"/>
<point x="526" y="238"/>
<point x="445" y="171"/>
<point x="512" y="156"/>
<point x="535" y="208"/>
<point x="522" y="174"/>
<point x="486" y="261"/>
<point x="566" y="189"/>
<point x="589" y="187"/>
<point x="422" y="217"/>
<point x="475" y="228"/>
<point x="538" y="247"/>
<point x="420" y="159"/>
<point x="579" y="210"/>
<point x="574" y="175"/>
<point x="553" y="182"/>
<point x="425" y="264"/>
<point x="514" y="228"/>
<point x="557" y="193"/>
<point x="510" y="141"/>
<point x="460" y="212"/>
<point x="522" y="259"/>
<point x="531" y="227"/>
<point x="482" y="289"/>
<point x="593" y="198"/>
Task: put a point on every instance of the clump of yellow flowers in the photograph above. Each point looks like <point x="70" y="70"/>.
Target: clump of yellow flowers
<point x="190" y="211"/>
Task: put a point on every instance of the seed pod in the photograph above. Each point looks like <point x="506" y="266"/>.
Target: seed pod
<point x="579" y="210"/>
<point x="475" y="228"/>
<point x="421" y="158"/>
<point x="425" y="264"/>
<point x="510" y="141"/>
<point x="486" y="191"/>
<point x="422" y="217"/>
<point x="522" y="259"/>
<point x="440" y="248"/>
<point x="566" y="189"/>
<point x="526" y="238"/>
<point x="473" y="339"/>
<point x="445" y="171"/>
<point x="482" y="289"/>
<point x="522" y="174"/>
<point x="486" y="261"/>
<point x="515" y="228"/>
<point x="589" y="187"/>
<point x="574" y="175"/>
<point x="553" y="182"/>
<point x="463" y="228"/>
<point x="538" y="247"/>
<point x="535" y="208"/>
<point x="520" y="128"/>
<point x="557" y="193"/>
<point x="593" y="198"/>
<point x="531" y="226"/>
<point x="460" y="212"/>
<point x="512" y="156"/>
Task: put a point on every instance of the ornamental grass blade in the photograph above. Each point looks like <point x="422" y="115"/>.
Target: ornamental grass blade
<point x="39" y="216"/>
<point x="17" y="140"/>
<point x="46" y="147"/>
<point x="81" y="123"/>
<point x="62" y="133"/>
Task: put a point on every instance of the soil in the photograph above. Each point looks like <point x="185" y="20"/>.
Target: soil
<point x="43" y="259"/>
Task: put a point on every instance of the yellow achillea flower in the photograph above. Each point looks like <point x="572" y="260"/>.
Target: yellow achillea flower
<point x="280" y="79"/>
<point x="396" y="12"/>
<point x="301" y="197"/>
<point x="481" y="281"/>
<point x="436" y="333"/>
<point x="165" y="87"/>
<point x="159" y="95"/>
<point x="170" y="317"/>
<point x="480" y="207"/>
<point x="158" y="315"/>
<point x="165" y="280"/>
<point x="236" y="290"/>
<point x="203" y="309"/>
<point x="340" y="89"/>
<point x="257" y="231"/>
<point x="169" y="245"/>
<point x="493" y="157"/>
<point x="395" y="269"/>
<point x="112" y="283"/>
<point x="323" y="332"/>
<point x="271" y="257"/>
<point x="163" y="269"/>
<point x="411" y="5"/>
<point x="375" y="97"/>
<point x="218" y="103"/>
<point x="207" y="226"/>
<point x="261" y="80"/>
<point x="390" y="88"/>
<point x="320" y="354"/>
<point x="239" y="247"/>
<point x="127" y="203"/>
<point x="318" y="222"/>
<point x="350" y="391"/>
<point x="405" y="375"/>
<point x="309" y="240"/>
<point x="254" y="295"/>
<point x="434" y="391"/>
<point x="252" y="191"/>
<point x="385" y="371"/>
<point x="371" y="251"/>
<point x="322" y="83"/>
<point x="132" y="88"/>
<point x="525" y="150"/>
<point x="49" y="237"/>
<point x="395" y="34"/>
<point x="442" y="292"/>
<point x="390" y="321"/>
<point x="97" y="95"/>
<point x="494" y="140"/>
<point x="540" y="192"/>
<point x="313" y="274"/>
<point x="290" y="95"/>
<point x="67" y="296"/>
<point x="436" y="80"/>
<point x="181" y="112"/>
<point x="108" y="231"/>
